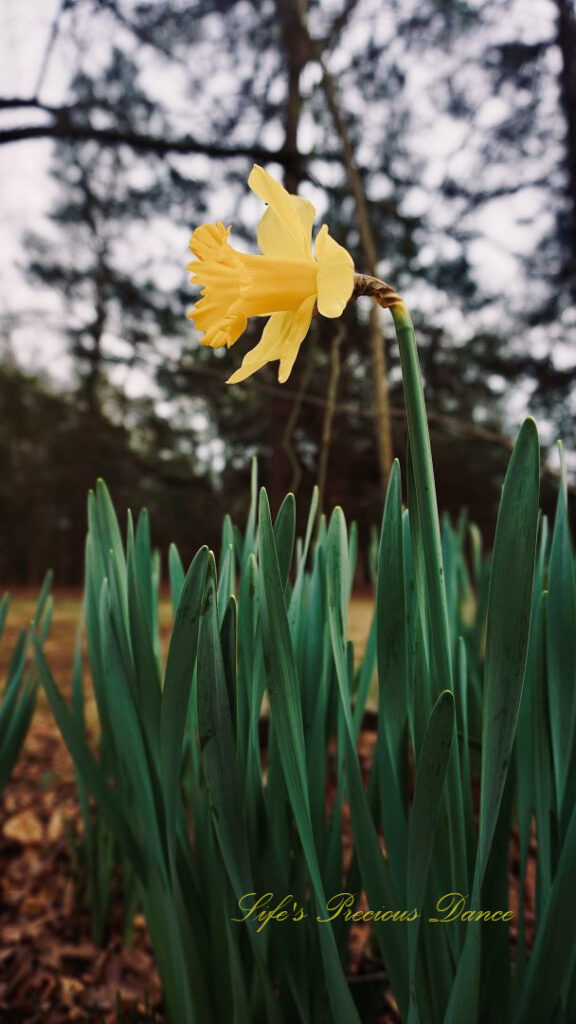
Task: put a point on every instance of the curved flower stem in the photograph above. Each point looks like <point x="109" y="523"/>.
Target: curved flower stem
<point x="425" y="490"/>
<point x="419" y="437"/>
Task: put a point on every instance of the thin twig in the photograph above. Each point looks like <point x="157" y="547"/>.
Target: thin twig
<point x="331" y="394"/>
<point x="54" y="29"/>
<point x="299" y="399"/>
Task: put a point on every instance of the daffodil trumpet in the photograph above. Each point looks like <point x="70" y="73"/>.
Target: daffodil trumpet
<point x="287" y="281"/>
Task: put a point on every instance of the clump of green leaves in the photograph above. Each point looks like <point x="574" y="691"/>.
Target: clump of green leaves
<point x="210" y="813"/>
<point x="105" y="880"/>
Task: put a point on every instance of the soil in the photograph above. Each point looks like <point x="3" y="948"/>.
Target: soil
<point x="50" y="971"/>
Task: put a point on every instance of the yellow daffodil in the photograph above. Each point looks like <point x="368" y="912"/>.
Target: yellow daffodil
<point x="285" y="282"/>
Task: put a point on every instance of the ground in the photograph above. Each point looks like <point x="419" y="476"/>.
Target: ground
<point x="49" y="969"/>
<point x="50" y="972"/>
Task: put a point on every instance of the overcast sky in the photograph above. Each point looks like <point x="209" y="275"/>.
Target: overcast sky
<point x="25" y="188"/>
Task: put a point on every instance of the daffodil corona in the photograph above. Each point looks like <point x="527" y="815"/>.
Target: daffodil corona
<point x="286" y="281"/>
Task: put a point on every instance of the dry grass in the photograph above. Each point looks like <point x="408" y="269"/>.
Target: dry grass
<point x="59" y="647"/>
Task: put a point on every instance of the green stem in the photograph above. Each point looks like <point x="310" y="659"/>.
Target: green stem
<point x="426" y="493"/>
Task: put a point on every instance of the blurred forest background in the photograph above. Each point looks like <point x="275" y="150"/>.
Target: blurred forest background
<point x="438" y="140"/>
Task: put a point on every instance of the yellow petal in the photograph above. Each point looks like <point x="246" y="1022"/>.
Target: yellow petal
<point x="280" y="201"/>
<point x="226" y="331"/>
<point x="266" y="350"/>
<point x="276" y="241"/>
<point x="335" y="274"/>
<point x="282" y="337"/>
<point x="209" y="241"/>
<point x="291" y="348"/>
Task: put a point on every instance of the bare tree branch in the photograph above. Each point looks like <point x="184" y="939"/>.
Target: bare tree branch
<point x="340" y="22"/>
<point x="54" y="29"/>
<point x="65" y="126"/>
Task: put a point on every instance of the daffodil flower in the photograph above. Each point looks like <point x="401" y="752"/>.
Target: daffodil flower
<point x="285" y="282"/>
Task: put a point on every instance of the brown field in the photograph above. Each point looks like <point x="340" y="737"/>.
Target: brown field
<point x="59" y="647"/>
